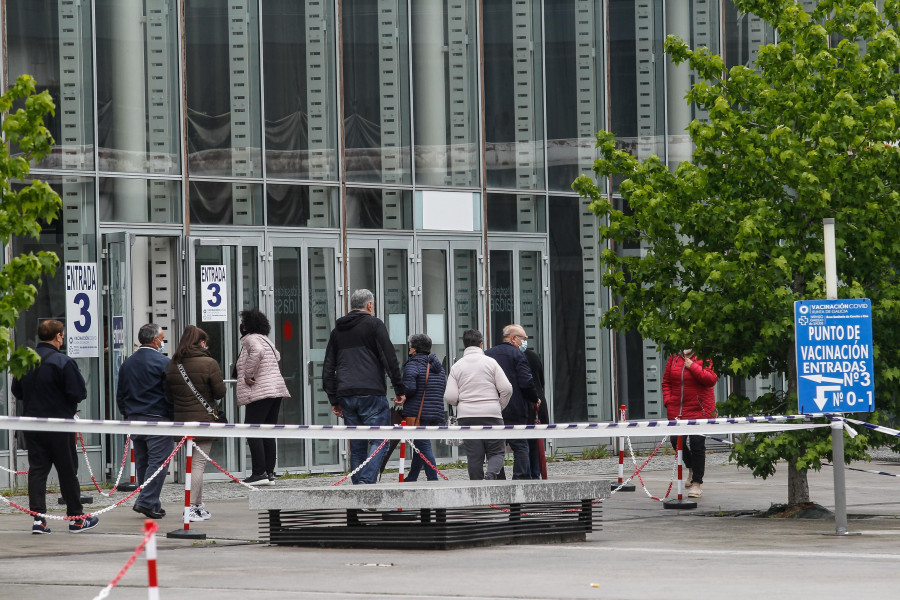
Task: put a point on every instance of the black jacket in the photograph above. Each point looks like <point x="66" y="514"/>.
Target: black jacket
<point x="358" y="354"/>
<point x="537" y="373"/>
<point x="53" y="389"/>
<point x="141" y="390"/>
<point x="515" y="365"/>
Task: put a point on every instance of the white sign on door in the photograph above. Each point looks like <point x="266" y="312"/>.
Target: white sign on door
<point x="213" y="293"/>
<point x="82" y="323"/>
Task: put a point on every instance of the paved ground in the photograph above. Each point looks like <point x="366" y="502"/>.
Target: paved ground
<point x="642" y="552"/>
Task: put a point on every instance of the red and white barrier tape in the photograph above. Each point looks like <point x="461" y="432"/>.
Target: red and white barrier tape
<point x="148" y="541"/>
<point x="2" y="468"/>
<point x="645" y="463"/>
<point x="359" y="468"/>
<point x="91" y="470"/>
<point x="105" y="509"/>
<point x="223" y="470"/>
<point x="426" y="461"/>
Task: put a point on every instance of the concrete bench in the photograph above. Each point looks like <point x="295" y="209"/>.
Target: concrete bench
<point x="431" y="515"/>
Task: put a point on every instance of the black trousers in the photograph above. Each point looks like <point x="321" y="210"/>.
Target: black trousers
<point x="47" y="449"/>
<point x="693" y="454"/>
<point x="262" y="450"/>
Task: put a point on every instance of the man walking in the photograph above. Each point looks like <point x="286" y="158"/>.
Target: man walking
<point x="141" y="396"/>
<point x="510" y="353"/>
<point x="358" y="354"/>
<point x="52" y="390"/>
<point x="480" y="390"/>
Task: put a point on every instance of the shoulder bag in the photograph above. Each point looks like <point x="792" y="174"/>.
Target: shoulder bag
<point x="217" y="415"/>
<point x="417" y="420"/>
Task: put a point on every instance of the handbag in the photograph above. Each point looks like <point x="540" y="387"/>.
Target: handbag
<point x="417" y="420"/>
<point x="452" y="422"/>
<point x="217" y="415"/>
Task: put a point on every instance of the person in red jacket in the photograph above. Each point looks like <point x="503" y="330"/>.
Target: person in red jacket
<point x="688" y="393"/>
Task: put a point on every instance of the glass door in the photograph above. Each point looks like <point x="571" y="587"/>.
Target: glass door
<point x="302" y="303"/>
<point x="241" y="289"/>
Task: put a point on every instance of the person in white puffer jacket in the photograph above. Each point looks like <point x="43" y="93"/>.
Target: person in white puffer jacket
<point x="260" y="387"/>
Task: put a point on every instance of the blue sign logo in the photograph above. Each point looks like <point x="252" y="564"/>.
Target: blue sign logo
<point x="835" y="369"/>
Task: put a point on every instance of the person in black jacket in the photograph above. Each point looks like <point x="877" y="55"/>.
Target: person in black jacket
<point x="543" y="415"/>
<point x="53" y="390"/>
<point x="358" y="354"/>
<point x="141" y="396"/>
<point x="510" y="354"/>
<point x="425" y="381"/>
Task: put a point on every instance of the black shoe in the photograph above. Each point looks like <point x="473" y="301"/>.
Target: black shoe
<point x="262" y="479"/>
<point x="272" y="476"/>
<point x="152" y="514"/>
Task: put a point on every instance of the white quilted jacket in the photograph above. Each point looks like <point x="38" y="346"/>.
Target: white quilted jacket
<point x="259" y="360"/>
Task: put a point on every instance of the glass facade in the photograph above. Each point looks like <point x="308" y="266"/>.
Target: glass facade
<point x="423" y="149"/>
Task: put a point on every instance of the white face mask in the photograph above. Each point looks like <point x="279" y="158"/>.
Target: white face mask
<point x="523" y="346"/>
<point x="687" y="352"/>
<point x="162" y="345"/>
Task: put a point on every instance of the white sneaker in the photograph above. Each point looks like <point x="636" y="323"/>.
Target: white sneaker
<point x="696" y="490"/>
<point x="198" y="512"/>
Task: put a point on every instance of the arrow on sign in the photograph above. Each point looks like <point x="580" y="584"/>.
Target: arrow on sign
<point x="823" y="379"/>
<point x="820" y="398"/>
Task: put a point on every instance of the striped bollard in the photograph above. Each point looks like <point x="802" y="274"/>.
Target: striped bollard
<point x="618" y="486"/>
<point x="680" y="502"/>
<point x="402" y="454"/>
<point x="150" y="551"/>
<point x="186" y="533"/>
<point x="132" y="483"/>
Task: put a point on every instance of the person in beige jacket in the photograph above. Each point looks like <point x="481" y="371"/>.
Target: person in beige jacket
<point x="260" y="387"/>
<point x="480" y="390"/>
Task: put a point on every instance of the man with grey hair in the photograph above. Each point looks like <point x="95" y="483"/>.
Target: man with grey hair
<point x="141" y="396"/>
<point x="358" y="354"/>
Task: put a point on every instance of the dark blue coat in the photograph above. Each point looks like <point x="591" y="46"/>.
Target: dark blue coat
<point x="414" y="381"/>
<point x="141" y="390"/>
<point x="515" y="366"/>
<point x="54" y="389"/>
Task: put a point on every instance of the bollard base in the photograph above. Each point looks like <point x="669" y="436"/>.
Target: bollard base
<point x="679" y="504"/>
<point x="127" y="487"/>
<point x="628" y="487"/>
<point x="84" y="500"/>
<point x="186" y="534"/>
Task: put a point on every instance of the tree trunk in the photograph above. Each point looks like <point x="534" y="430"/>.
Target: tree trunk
<point x="798" y="484"/>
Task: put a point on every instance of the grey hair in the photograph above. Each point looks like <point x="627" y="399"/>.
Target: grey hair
<point x="148" y="332"/>
<point x="507" y="331"/>
<point x="360" y="298"/>
<point x="421" y="342"/>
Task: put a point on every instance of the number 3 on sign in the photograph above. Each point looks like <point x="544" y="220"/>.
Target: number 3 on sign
<point x="84" y="301"/>
<point x="216" y="299"/>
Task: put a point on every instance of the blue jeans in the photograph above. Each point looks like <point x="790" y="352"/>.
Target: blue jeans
<point x="366" y="410"/>
<point x="521" y="460"/>
<point x="424" y="447"/>
<point x="150" y="451"/>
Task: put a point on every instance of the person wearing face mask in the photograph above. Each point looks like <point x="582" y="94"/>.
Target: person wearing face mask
<point x="425" y="381"/>
<point x="192" y="362"/>
<point x="688" y="393"/>
<point x="510" y="354"/>
<point x="141" y="396"/>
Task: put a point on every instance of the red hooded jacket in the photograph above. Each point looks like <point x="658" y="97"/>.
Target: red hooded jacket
<point x="688" y="391"/>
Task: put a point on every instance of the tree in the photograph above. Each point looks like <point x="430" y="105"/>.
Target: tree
<point x="734" y="237"/>
<point x="23" y="207"/>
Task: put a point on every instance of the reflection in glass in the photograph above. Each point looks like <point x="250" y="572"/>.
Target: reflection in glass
<point x="465" y="296"/>
<point x="51" y="41"/>
<point x="302" y="205"/>
<point x="637" y="101"/>
<point x="362" y="270"/>
<point x="376" y="91"/>
<point x="745" y="33"/>
<point x="444" y="54"/>
<point x="516" y="212"/>
<point x="434" y="301"/>
<point x="575" y="95"/>
<point x="137" y="86"/>
<point x="379" y="209"/>
<point x="395" y="300"/>
<point x="225" y="203"/>
<point x="531" y="298"/>
<point x="513" y="95"/>
<point x="301" y="109"/>
<point x="140" y="200"/>
<point x="321" y="313"/>
<point x="287" y="331"/>
<point x="502" y="302"/>
<point x="222" y="64"/>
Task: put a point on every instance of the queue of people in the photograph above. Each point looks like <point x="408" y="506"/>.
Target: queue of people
<point x="500" y="386"/>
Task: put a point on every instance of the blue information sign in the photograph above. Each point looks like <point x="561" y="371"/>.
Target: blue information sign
<point x="835" y="370"/>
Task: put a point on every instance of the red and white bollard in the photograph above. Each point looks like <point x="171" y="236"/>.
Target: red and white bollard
<point x="621" y="486"/>
<point x="150" y="552"/>
<point x="680" y="502"/>
<point x="186" y="533"/>
<point x="402" y="454"/>
<point x="132" y="482"/>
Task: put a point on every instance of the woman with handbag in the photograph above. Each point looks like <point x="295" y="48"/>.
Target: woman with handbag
<point x="260" y="387"/>
<point x="425" y="380"/>
<point x="195" y="386"/>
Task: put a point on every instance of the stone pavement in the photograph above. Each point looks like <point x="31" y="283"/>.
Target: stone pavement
<point x="642" y="552"/>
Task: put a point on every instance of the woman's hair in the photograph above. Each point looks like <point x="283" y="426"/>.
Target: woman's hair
<point x="255" y="321"/>
<point x="420" y="342"/>
<point x="191" y="337"/>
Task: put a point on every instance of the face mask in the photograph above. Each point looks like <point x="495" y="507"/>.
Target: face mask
<point x="523" y="346"/>
<point x="687" y="352"/>
<point x="162" y="345"/>
<point x="243" y="330"/>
